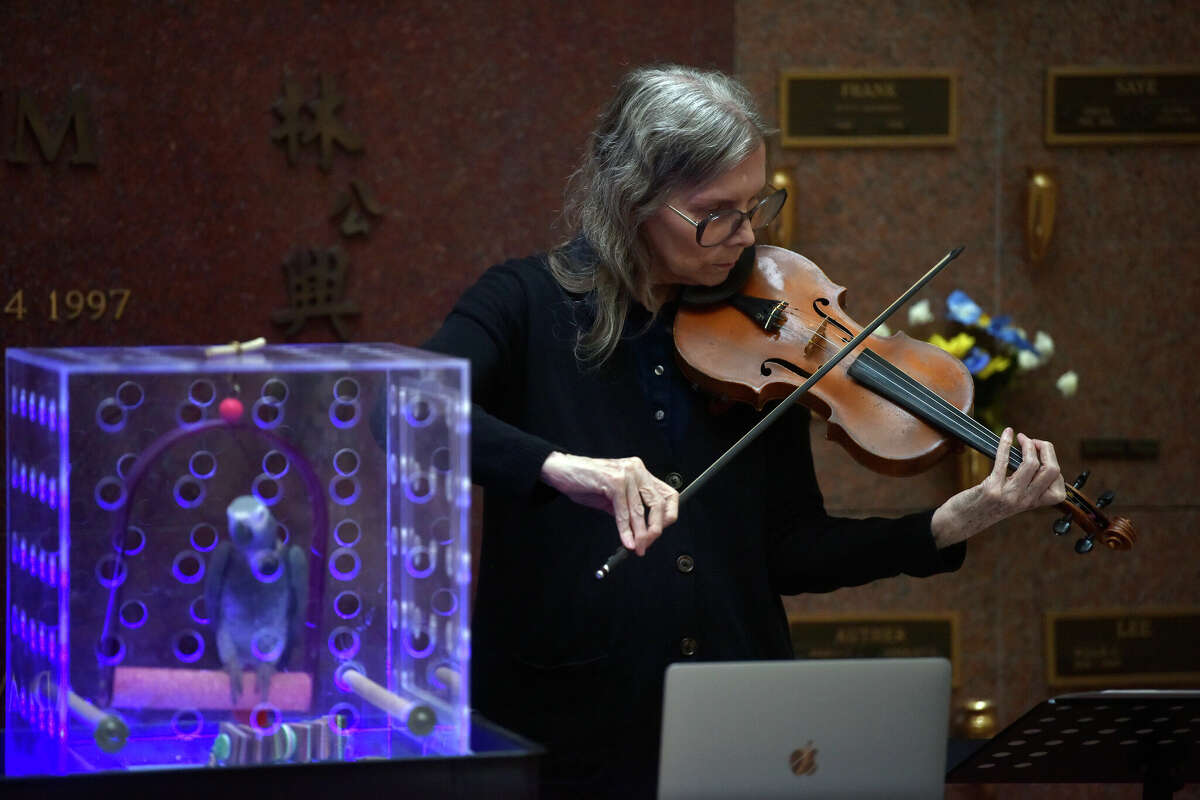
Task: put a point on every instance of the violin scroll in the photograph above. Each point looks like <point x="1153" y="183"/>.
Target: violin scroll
<point x="1116" y="533"/>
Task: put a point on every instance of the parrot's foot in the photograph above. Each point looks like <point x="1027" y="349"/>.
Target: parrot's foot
<point x="235" y="681"/>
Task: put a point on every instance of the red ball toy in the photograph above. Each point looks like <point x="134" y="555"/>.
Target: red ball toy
<point x="231" y="409"/>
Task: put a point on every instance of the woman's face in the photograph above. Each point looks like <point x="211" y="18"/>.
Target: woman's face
<point x="676" y="257"/>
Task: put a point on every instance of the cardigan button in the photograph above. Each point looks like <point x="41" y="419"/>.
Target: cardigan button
<point x="685" y="564"/>
<point x="688" y="646"/>
<point x="675" y="480"/>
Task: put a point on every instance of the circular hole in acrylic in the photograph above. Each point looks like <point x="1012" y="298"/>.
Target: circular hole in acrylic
<point x="110" y="650"/>
<point x="267" y="645"/>
<point x="441" y="530"/>
<point x="444" y="602"/>
<point x="342" y="717"/>
<point x="266" y="566"/>
<point x="133" y="613"/>
<point x="198" y="611"/>
<point x="441" y="459"/>
<point x="347" y="533"/>
<point x="125" y="464"/>
<point x="343" y="415"/>
<point x="265" y="719"/>
<point x="419" y="644"/>
<point x="343" y="491"/>
<point x="344" y="564"/>
<point x="275" y="464"/>
<point x="347" y="605"/>
<point x="130" y="395"/>
<point x="266" y="415"/>
<point x="189" y="492"/>
<point x="202" y="464"/>
<point x="266" y="488"/>
<point x="345" y="462"/>
<point x="419" y="563"/>
<point x="345" y="390"/>
<point x="187" y="567"/>
<point x="203" y="537"/>
<point x="111" y="571"/>
<point x="274" y="391"/>
<point x="188" y="646"/>
<point x="110" y="416"/>
<point x="189" y="414"/>
<point x="343" y="643"/>
<point x="282" y="534"/>
<point x="419" y="488"/>
<point x="202" y="392"/>
<point x="132" y="543"/>
<point x="418" y="412"/>
<point x="187" y="723"/>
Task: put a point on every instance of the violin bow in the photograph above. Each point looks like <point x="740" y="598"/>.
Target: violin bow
<point x="621" y="553"/>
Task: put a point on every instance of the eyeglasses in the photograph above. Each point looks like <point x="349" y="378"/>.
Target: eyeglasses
<point x="720" y="226"/>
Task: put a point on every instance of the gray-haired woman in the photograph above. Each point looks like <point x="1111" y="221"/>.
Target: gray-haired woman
<point x="582" y="424"/>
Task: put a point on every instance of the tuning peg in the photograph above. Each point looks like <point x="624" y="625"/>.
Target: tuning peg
<point x="1063" y="525"/>
<point x="1105" y="498"/>
<point x="1081" y="480"/>
<point x="1084" y="545"/>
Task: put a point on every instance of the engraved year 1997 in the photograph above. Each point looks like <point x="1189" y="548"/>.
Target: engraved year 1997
<point x="70" y="304"/>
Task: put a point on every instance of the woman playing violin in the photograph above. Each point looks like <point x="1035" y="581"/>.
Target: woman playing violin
<point x="584" y="430"/>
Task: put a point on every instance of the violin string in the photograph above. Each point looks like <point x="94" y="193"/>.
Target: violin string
<point x="960" y="424"/>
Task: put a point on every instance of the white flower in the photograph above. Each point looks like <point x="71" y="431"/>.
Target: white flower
<point x="1027" y="360"/>
<point x="1067" y="383"/>
<point x="883" y="330"/>
<point x="919" y="313"/>
<point x="1043" y="344"/>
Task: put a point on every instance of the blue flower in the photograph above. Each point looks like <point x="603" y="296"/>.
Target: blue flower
<point x="976" y="360"/>
<point x="962" y="308"/>
<point x="1002" y="328"/>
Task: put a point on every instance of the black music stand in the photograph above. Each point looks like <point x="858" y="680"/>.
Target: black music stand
<point x="1144" y="736"/>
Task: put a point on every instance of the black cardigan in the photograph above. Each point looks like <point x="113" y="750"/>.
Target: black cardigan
<point x="577" y="663"/>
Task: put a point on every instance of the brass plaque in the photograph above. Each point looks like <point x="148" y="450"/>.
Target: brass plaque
<point x="868" y="109"/>
<point x="877" y="636"/>
<point x="1123" y="105"/>
<point x="1123" y="648"/>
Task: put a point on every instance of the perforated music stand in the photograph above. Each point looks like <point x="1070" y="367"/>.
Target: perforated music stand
<point x="1143" y="736"/>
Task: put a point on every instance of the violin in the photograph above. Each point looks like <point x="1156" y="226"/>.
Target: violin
<point x="897" y="405"/>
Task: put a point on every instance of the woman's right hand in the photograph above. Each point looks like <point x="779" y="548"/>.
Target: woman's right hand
<point x="641" y="504"/>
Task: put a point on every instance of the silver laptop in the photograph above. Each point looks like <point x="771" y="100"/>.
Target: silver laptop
<point x="856" y="728"/>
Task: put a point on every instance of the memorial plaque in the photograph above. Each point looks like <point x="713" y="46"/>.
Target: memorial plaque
<point x="1123" y="105"/>
<point x="877" y="636"/>
<point x="868" y="109"/>
<point x="1108" y="649"/>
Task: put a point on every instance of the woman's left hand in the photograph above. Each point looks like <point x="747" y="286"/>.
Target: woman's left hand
<point x="1035" y="483"/>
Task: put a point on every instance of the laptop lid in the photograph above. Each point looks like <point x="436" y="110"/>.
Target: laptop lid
<point x="853" y="728"/>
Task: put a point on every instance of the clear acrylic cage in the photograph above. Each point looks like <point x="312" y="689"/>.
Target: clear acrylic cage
<point x="296" y="517"/>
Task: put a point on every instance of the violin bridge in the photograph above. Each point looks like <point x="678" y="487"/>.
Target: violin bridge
<point x="818" y="338"/>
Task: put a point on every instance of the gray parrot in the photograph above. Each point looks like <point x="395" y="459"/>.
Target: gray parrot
<point x="256" y="591"/>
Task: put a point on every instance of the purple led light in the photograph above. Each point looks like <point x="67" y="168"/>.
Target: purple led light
<point x="266" y="414"/>
<point x="347" y="598"/>
<point x="194" y="609"/>
<point x="41" y="410"/>
<point x="24" y="406"/>
<point x="133" y="614"/>
<point x="194" y="564"/>
<point x="52" y="415"/>
<point x="110" y="577"/>
<point x="12" y="473"/>
<point x="187" y="723"/>
<point x="24" y="479"/>
<point x="110" y="493"/>
<point x="267" y="711"/>
<point x="410" y="562"/>
<point x="338" y="560"/>
<point x="193" y="641"/>
<point x="110" y="650"/>
<point x="344" y="491"/>
<point x="343" y="643"/>
<point x="340" y="417"/>
<point x="189" y="492"/>
<point x="52" y="500"/>
<point x="42" y="486"/>
<point x="267" y="489"/>
<point x="411" y="646"/>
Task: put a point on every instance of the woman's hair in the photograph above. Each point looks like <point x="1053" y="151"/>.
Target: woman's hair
<point x="667" y="128"/>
